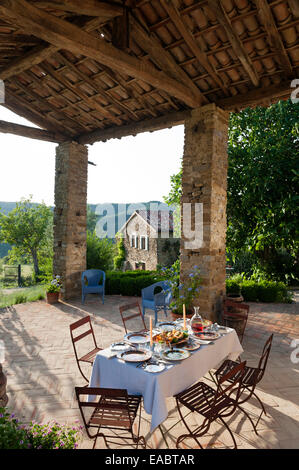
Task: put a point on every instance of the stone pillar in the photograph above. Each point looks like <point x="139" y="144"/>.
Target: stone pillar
<point x="70" y="216"/>
<point x="205" y="181"/>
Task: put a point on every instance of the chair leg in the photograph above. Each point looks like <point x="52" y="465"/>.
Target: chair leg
<point x="163" y="435"/>
<point x="249" y="417"/>
<point x="184" y="436"/>
<point x="156" y="316"/>
<point x="227" y="427"/>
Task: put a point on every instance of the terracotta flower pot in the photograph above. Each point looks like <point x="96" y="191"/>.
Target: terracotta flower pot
<point x="52" y="297"/>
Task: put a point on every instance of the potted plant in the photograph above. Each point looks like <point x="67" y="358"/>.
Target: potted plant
<point x="53" y="290"/>
<point x="183" y="293"/>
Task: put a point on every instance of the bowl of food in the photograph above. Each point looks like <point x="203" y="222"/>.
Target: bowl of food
<point x="173" y="337"/>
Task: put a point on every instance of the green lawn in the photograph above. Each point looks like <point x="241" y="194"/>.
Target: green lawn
<point x="19" y="296"/>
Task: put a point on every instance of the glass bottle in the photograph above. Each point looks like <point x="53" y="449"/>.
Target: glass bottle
<point x="196" y="322"/>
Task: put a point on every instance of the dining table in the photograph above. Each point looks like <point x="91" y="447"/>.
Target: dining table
<point x="110" y="371"/>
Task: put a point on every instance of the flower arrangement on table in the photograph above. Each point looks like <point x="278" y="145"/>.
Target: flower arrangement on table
<point x="183" y="293"/>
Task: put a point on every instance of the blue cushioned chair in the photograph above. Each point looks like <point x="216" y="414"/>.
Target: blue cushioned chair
<point x="93" y="282"/>
<point x="156" y="302"/>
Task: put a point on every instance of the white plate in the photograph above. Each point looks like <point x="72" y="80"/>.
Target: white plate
<point x="191" y="345"/>
<point x="137" y="337"/>
<point x="175" y="354"/>
<point x="166" y="325"/>
<point x="121" y="346"/>
<point x="135" y="355"/>
<point x="154" y="368"/>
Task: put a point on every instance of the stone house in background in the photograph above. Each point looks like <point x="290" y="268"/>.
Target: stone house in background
<point x="149" y="241"/>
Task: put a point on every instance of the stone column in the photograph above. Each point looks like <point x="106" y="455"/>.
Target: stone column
<point x="205" y="181"/>
<point x="70" y="216"/>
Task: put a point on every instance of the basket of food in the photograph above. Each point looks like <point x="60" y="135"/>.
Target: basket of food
<point x="173" y="337"/>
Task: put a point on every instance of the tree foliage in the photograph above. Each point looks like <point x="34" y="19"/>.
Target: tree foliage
<point x="28" y="228"/>
<point x="263" y="174"/>
<point x="263" y="181"/>
<point x="100" y="252"/>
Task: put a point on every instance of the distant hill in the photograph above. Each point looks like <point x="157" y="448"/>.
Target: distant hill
<point x="120" y="212"/>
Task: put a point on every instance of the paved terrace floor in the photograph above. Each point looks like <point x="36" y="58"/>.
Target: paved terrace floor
<point x="42" y="372"/>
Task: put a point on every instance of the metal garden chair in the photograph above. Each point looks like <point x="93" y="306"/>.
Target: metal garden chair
<point x="252" y="376"/>
<point x="111" y="409"/>
<point x="211" y="404"/>
<point x="91" y="354"/>
<point x="127" y="314"/>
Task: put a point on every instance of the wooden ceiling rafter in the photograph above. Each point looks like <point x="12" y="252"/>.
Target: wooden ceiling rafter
<point x="31" y="132"/>
<point x="63" y="34"/>
<point x="275" y="40"/>
<point x="71" y="80"/>
<point x="223" y="18"/>
<point x="187" y="35"/>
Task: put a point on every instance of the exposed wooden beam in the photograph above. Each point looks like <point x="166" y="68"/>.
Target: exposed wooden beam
<point x="33" y="57"/>
<point x="256" y="97"/>
<point x="200" y="55"/>
<point x="105" y="11"/>
<point x="149" y="43"/>
<point x="65" y="35"/>
<point x="274" y="37"/>
<point x="31" y="132"/>
<point x="240" y="51"/>
<point x="148" y="125"/>
<point x="294" y="6"/>
<point x="38" y="54"/>
<point x="16" y="105"/>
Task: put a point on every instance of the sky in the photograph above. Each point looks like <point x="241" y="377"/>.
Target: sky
<point x="132" y="169"/>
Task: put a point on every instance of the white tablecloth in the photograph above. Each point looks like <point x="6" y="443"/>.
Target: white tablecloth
<point x="155" y="388"/>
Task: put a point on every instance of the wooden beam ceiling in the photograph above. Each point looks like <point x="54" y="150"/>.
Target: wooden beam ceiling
<point x="40" y="53"/>
<point x="105" y="11"/>
<point x="200" y="55"/>
<point x="256" y="97"/>
<point x="240" y="51"/>
<point x="275" y="40"/>
<point x="148" y="125"/>
<point x="31" y="132"/>
<point x="65" y="35"/>
<point x="19" y="106"/>
<point x="149" y="43"/>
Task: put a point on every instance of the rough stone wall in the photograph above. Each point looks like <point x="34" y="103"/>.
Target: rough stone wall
<point x="70" y="216"/>
<point x="205" y="181"/>
<point x="139" y="227"/>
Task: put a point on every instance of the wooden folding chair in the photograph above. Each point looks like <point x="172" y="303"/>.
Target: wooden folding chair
<point x="252" y="376"/>
<point x="112" y="409"/>
<point x="90" y="355"/>
<point x="211" y="404"/>
<point x="126" y="314"/>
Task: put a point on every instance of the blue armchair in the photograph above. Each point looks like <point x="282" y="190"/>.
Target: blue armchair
<point x="93" y="282"/>
<point x="156" y="302"/>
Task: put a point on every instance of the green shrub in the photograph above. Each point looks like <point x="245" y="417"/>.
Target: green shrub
<point x="259" y="290"/>
<point x="232" y="286"/>
<point x="129" y="282"/>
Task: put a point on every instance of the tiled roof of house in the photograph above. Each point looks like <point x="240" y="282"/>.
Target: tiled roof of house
<point x="158" y="219"/>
